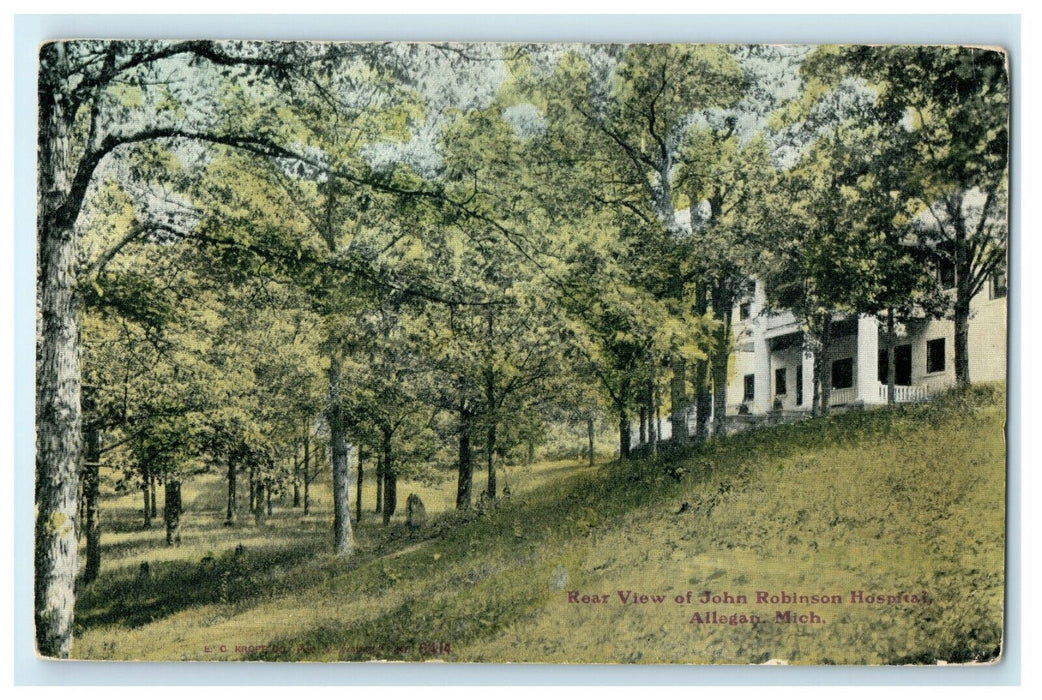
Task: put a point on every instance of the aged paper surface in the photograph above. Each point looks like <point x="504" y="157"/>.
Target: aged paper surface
<point x="572" y="353"/>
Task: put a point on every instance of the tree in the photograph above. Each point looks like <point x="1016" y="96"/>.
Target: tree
<point x="97" y="102"/>
<point x="952" y="103"/>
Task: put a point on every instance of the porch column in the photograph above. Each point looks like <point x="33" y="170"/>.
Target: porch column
<point x="807" y="359"/>
<point x="868" y="360"/>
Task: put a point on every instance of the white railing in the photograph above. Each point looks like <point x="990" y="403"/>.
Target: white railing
<point x="839" y="397"/>
<point x="905" y="394"/>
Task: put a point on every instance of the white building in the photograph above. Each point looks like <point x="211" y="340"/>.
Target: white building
<point x="770" y="368"/>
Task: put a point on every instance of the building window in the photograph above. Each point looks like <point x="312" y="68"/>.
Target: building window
<point x="843" y="373"/>
<point x="946" y="273"/>
<point x="935" y="355"/>
<point x="944" y="258"/>
<point x="799" y="385"/>
<point x="902" y="365"/>
<point x="998" y="285"/>
<point x="748" y="294"/>
<point x="750" y="387"/>
<point x="779" y="381"/>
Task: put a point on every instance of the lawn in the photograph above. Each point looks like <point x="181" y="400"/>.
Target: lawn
<point x="891" y="503"/>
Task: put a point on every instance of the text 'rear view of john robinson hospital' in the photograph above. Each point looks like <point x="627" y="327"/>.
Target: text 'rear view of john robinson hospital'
<point x="649" y="353"/>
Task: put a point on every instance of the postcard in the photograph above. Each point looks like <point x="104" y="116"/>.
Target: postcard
<point x="534" y="353"/>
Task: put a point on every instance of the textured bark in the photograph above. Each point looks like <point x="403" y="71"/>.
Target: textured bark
<point x="390" y="479"/>
<point x="379" y="483"/>
<point x="624" y="433"/>
<point x="91" y="488"/>
<point x="229" y="516"/>
<point x="962" y="340"/>
<point x="678" y="401"/>
<point x="466" y="466"/>
<point x="307" y="475"/>
<point x="148" y="493"/>
<point x="358" y="487"/>
<point x="341" y="455"/>
<point x="253" y="489"/>
<point x="589" y="440"/>
<point x="823" y="367"/>
<point x="490" y="448"/>
<point x="58" y="415"/>
<point x="653" y="417"/>
<point x="703" y="400"/>
<point x="718" y="362"/>
<point x="296" y="478"/>
<point x="258" y="502"/>
<point x="172" y="512"/>
<point x="147" y="512"/>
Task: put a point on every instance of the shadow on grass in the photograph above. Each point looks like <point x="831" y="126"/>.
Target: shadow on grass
<point x="450" y="611"/>
<point x="135" y="597"/>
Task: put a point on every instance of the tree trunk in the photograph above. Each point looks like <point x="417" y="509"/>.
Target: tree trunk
<point x="91" y="488"/>
<point x="703" y="400"/>
<point x="589" y="440"/>
<point x="490" y="446"/>
<point x="258" y="503"/>
<point x="653" y="417"/>
<point x="642" y="424"/>
<point x="81" y="508"/>
<point x="962" y="338"/>
<point x="341" y="455"/>
<point x="307" y="475"/>
<point x="267" y="495"/>
<point x="718" y="362"/>
<point x="147" y="491"/>
<point x="531" y="451"/>
<point x="229" y="515"/>
<point x="390" y="496"/>
<point x="358" y="487"/>
<point x="678" y="401"/>
<point x="890" y="366"/>
<point x="253" y="488"/>
<point x="624" y="433"/>
<point x="58" y="414"/>
<point x="823" y="367"/>
<point x="466" y="467"/>
<point x="390" y="478"/>
<point x="296" y="478"/>
<point x="172" y="511"/>
<point x="379" y="482"/>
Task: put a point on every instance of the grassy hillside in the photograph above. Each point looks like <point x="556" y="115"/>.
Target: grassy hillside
<point x="893" y="501"/>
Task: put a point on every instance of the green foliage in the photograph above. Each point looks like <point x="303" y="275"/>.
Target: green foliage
<point x="255" y="271"/>
<point x="784" y="508"/>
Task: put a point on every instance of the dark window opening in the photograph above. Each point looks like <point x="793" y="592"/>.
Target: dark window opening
<point x="902" y="365"/>
<point x="935" y="355"/>
<point x="843" y="373"/>
<point x="743" y="310"/>
<point x="799" y="385"/>
<point x="750" y="387"/>
<point x="779" y="382"/>
<point x="946" y="273"/>
<point x="998" y="285"/>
